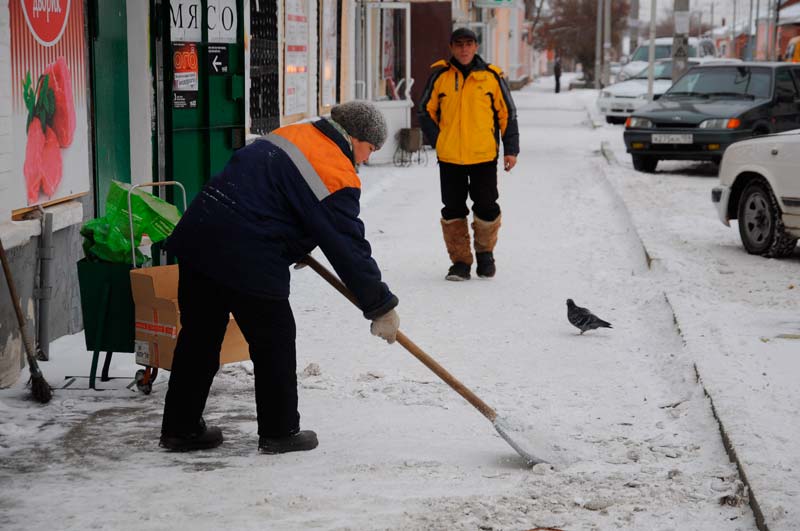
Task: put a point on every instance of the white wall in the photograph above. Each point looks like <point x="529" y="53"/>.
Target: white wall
<point x="6" y="139"/>
<point x="140" y="90"/>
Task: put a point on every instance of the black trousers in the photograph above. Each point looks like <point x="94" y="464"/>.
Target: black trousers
<point x="269" y="328"/>
<point x="558" y="84"/>
<point x="478" y="181"/>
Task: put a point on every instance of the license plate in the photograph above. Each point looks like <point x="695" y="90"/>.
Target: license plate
<point x="671" y="139"/>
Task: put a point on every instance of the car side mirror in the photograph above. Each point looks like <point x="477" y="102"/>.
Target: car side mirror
<point x="624" y="60"/>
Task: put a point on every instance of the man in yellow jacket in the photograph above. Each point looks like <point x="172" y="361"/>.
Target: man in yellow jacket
<point x="465" y="111"/>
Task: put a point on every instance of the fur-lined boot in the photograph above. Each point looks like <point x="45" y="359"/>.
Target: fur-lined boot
<point x="485" y="241"/>
<point x="456" y="238"/>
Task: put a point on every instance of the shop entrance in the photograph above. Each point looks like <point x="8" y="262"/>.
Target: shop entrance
<point x="198" y="58"/>
<point x="383" y="67"/>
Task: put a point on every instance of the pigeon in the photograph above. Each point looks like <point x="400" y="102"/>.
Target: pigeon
<point x="583" y="318"/>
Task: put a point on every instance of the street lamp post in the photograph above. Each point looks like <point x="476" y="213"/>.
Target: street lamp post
<point x="597" y="43"/>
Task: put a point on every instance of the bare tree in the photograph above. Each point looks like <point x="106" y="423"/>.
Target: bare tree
<point x="533" y="12"/>
<point x="570" y="28"/>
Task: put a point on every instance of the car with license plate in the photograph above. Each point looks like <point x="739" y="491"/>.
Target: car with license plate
<point x="759" y="185"/>
<point x="709" y="108"/>
<point x="618" y="101"/>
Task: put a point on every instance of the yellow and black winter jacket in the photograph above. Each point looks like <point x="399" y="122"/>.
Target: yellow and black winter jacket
<point x="464" y="119"/>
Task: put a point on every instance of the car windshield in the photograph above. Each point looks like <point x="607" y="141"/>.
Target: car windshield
<point x="662" y="70"/>
<point x="663" y="51"/>
<point x="729" y="81"/>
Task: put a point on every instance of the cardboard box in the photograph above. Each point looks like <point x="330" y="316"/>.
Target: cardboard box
<point x="158" y="319"/>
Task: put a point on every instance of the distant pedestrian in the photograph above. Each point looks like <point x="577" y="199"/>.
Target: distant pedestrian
<point x="465" y="110"/>
<point x="557" y="73"/>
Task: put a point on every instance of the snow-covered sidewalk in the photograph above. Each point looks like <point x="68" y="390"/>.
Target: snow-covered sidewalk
<point x="632" y="438"/>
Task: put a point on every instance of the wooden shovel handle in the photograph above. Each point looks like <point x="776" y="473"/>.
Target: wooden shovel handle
<point x="409" y="345"/>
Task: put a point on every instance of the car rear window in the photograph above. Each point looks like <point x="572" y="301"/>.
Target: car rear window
<point x="661" y="70"/>
<point x="752" y="81"/>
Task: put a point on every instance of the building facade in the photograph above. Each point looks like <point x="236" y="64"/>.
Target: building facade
<point x="138" y="91"/>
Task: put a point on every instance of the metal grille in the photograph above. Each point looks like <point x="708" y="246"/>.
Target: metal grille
<point x="264" y="87"/>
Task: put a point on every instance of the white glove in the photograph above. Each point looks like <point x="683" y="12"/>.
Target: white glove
<point x="386" y="326"/>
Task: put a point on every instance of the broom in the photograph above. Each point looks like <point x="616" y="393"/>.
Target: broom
<point x="41" y="390"/>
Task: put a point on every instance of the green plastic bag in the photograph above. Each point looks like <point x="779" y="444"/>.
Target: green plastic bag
<point x="107" y="238"/>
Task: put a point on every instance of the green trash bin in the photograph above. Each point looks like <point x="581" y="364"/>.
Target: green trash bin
<point x="108" y="310"/>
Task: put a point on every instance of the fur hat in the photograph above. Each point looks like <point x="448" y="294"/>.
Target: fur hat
<point x="361" y="120"/>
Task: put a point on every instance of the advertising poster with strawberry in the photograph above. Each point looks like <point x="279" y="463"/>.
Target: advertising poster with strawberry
<point x="49" y="102"/>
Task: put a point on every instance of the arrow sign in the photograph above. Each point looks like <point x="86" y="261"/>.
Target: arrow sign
<point x="217" y="60"/>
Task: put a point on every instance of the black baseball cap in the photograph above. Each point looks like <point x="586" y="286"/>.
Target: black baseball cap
<point x="463" y="34"/>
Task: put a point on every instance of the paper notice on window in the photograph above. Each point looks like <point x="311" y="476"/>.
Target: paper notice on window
<point x="295" y="79"/>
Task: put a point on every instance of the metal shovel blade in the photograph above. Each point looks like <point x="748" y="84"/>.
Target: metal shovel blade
<point x="502" y="427"/>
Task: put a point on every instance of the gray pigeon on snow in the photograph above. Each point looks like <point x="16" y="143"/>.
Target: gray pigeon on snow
<point x="583" y="318"/>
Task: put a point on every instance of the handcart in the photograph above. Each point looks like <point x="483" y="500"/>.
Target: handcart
<point x="145" y="377"/>
<point x="108" y="307"/>
<point x="410" y="148"/>
<point x="157" y="317"/>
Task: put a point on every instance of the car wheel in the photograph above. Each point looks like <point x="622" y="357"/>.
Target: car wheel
<point x="645" y="163"/>
<point x="612" y="120"/>
<point x="760" y="224"/>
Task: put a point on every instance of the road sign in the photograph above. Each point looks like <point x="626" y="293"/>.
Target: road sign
<point x="217" y="60"/>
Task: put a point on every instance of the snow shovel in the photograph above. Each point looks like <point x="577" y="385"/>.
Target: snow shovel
<point x="499" y="423"/>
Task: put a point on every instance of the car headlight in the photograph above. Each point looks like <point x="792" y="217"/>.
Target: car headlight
<point x="605" y="94"/>
<point x="721" y="123"/>
<point x="641" y="97"/>
<point x="622" y="76"/>
<point x="634" y="122"/>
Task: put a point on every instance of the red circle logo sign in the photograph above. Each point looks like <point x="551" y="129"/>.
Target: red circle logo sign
<point x="46" y="19"/>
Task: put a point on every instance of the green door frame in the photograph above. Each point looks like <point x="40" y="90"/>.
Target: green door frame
<point x="110" y="96"/>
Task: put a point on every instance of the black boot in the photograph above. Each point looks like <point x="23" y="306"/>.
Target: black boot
<point x="202" y="438"/>
<point x="458" y="271"/>
<point x="485" y="267"/>
<point x="299" y="441"/>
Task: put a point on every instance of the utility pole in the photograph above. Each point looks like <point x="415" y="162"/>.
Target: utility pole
<point x="607" y="44"/>
<point x="633" y="24"/>
<point x="755" y="46"/>
<point x="772" y="30"/>
<point x="733" y="30"/>
<point x="712" y="16"/>
<point x="651" y="51"/>
<point x="680" y="40"/>
<point x="699" y="24"/>
<point x="749" y="53"/>
<point x="598" y="41"/>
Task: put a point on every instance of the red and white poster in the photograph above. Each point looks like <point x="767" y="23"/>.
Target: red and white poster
<point x="49" y="107"/>
<point x="185" y="76"/>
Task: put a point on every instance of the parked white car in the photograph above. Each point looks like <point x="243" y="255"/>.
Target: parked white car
<point x="663" y="45"/>
<point x="620" y="100"/>
<point x="760" y="186"/>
